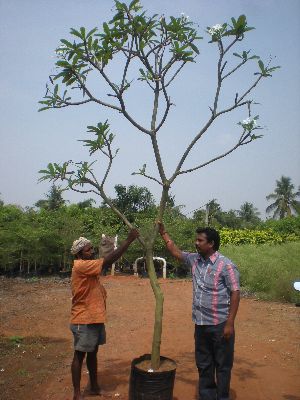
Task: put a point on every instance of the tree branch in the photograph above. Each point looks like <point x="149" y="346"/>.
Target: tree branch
<point x="242" y="141"/>
<point x="153" y="136"/>
<point x="234" y="69"/>
<point x="167" y="107"/>
<point x="148" y="176"/>
<point x="175" y="74"/>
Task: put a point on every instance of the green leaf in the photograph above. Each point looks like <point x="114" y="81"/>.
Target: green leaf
<point x="91" y="32"/>
<point x="133" y="4"/>
<point x="75" y="33"/>
<point x="195" y="48"/>
<point x="273" y="68"/>
<point x="237" y="55"/>
<point x="82" y="31"/>
<point x="261" y="66"/>
<point x="241" y="21"/>
<point x="106" y="29"/>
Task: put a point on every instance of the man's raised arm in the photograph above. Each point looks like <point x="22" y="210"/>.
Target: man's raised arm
<point x="116" y="254"/>
<point x="171" y="246"/>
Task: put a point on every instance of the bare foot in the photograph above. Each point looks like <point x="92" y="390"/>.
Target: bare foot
<point x="94" y="391"/>
<point x="78" y="396"/>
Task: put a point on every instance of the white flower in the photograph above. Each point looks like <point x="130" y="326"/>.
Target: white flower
<point x="249" y="123"/>
<point x="184" y="17"/>
<point x="215" y="30"/>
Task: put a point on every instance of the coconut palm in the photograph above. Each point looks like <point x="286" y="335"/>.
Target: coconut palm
<point x="249" y="213"/>
<point x="286" y="202"/>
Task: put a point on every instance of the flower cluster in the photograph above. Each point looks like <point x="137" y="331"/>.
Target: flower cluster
<point x="215" y="30"/>
<point x="249" y="124"/>
<point x="184" y="17"/>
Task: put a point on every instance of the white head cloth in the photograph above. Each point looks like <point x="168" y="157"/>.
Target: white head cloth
<point x="79" y="245"/>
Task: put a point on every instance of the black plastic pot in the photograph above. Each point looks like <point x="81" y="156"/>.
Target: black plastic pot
<point x="150" y="385"/>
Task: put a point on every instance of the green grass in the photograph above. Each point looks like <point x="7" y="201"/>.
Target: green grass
<point x="16" y="339"/>
<point x="268" y="270"/>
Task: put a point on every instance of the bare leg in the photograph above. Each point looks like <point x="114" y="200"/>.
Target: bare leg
<point x="91" y="362"/>
<point x="76" y="373"/>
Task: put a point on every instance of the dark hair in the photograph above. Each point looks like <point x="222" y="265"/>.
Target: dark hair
<point x="212" y="236"/>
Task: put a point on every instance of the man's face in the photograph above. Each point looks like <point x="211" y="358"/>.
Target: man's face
<point x="202" y="245"/>
<point x="87" y="253"/>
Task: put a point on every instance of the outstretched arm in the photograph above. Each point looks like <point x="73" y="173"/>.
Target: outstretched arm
<point x="116" y="254"/>
<point x="171" y="246"/>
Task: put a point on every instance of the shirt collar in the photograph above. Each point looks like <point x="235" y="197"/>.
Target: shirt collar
<point x="212" y="258"/>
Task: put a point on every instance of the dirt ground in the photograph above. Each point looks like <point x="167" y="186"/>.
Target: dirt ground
<point x="38" y="366"/>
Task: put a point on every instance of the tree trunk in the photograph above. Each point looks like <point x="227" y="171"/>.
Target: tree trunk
<point x="28" y="266"/>
<point x="21" y="261"/>
<point x="65" y="256"/>
<point x="159" y="301"/>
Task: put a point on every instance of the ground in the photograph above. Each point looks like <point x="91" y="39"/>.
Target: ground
<point x="38" y="366"/>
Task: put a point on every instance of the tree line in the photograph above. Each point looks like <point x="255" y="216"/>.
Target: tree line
<point x="38" y="239"/>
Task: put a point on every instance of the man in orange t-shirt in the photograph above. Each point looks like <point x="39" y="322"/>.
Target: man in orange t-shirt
<point x="88" y="313"/>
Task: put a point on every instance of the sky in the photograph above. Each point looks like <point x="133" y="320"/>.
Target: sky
<point x="29" y="33"/>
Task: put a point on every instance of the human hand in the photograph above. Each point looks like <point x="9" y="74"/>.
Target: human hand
<point x="133" y="234"/>
<point x="161" y="228"/>
<point x="228" y="330"/>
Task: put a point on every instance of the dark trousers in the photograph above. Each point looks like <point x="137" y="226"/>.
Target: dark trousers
<point x="214" y="360"/>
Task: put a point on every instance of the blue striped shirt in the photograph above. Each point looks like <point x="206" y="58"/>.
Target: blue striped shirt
<point x="213" y="280"/>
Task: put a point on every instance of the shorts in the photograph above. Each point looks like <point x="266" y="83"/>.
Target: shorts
<point x="88" y="336"/>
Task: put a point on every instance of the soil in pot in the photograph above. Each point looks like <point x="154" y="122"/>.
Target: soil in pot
<point x="146" y="384"/>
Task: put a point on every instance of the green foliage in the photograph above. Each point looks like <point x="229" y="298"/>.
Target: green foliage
<point x="246" y="236"/>
<point x="268" y="270"/>
<point x="16" y="339"/>
<point x="133" y="199"/>
<point x="130" y="30"/>
<point x="285" y="199"/>
<point x="53" y="201"/>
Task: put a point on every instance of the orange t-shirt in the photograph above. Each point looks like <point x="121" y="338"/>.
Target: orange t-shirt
<point x="89" y="296"/>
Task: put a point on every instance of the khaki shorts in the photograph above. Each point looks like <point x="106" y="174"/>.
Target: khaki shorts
<point x="88" y="336"/>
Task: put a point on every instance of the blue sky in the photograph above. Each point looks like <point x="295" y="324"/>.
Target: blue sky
<point x="31" y="30"/>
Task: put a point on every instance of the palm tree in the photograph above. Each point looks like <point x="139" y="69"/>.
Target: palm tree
<point x="248" y="213"/>
<point x="285" y="199"/>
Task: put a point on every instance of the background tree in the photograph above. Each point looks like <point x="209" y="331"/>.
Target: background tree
<point x="88" y="203"/>
<point x="249" y="214"/>
<point x="53" y="201"/>
<point x="285" y="197"/>
<point x="132" y="199"/>
<point x="159" y="48"/>
<point x="213" y="210"/>
<point x="229" y="219"/>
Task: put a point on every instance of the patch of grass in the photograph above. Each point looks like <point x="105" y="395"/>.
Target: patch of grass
<point x="32" y="279"/>
<point x="268" y="269"/>
<point x="16" y="339"/>
<point x="23" y="372"/>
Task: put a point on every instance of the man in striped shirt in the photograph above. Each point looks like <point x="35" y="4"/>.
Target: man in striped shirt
<point x="216" y="295"/>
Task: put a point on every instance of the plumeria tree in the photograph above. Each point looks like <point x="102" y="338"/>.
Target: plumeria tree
<point x="159" y="48"/>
